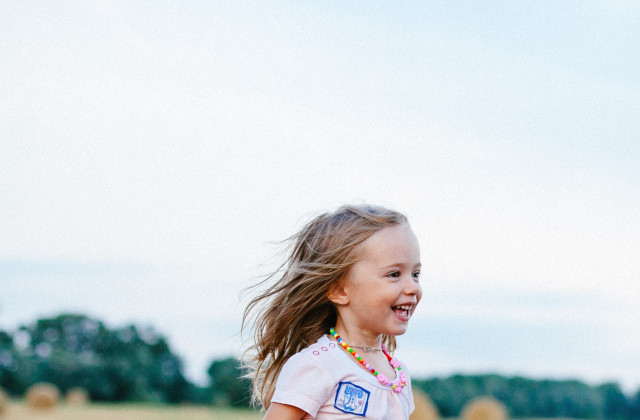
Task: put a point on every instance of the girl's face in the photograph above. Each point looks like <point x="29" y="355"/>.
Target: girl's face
<point x="381" y="290"/>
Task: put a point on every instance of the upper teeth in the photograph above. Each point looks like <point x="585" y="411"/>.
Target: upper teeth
<point x="404" y="307"/>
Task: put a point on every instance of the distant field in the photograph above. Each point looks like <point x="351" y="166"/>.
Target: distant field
<point x="18" y="411"/>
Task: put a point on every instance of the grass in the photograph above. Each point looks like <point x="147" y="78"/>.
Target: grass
<point x="97" y="411"/>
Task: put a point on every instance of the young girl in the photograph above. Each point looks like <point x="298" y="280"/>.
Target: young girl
<point x="324" y="328"/>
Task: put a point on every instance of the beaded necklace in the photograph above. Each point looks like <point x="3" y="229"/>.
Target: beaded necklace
<point x="397" y="386"/>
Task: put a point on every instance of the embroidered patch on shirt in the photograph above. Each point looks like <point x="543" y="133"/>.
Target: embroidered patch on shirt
<point x="352" y="399"/>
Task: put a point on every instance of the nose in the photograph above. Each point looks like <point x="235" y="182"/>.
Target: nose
<point x="412" y="286"/>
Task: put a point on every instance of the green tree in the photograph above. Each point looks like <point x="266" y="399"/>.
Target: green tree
<point x="526" y="397"/>
<point x="227" y="384"/>
<point x="116" y="365"/>
<point x="634" y="406"/>
<point x="616" y="404"/>
<point x="9" y="378"/>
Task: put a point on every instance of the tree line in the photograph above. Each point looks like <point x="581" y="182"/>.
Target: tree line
<point x="523" y="397"/>
<point x="137" y="364"/>
<point x="122" y="364"/>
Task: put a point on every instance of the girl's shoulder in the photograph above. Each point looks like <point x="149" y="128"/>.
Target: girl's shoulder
<point x="311" y="368"/>
<point x="321" y="353"/>
<point x="309" y="377"/>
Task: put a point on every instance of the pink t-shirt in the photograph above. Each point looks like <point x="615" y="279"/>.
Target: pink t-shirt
<point x="327" y="383"/>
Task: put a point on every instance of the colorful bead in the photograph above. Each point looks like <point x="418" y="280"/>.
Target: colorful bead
<point x="396" y="386"/>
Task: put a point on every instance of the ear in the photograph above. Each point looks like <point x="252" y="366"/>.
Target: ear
<point x="338" y="294"/>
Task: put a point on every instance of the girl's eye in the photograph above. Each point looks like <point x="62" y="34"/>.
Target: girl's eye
<point x="416" y="275"/>
<point x="394" y="274"/>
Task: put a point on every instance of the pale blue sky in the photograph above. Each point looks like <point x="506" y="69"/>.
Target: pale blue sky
<point x="149" y="152"/>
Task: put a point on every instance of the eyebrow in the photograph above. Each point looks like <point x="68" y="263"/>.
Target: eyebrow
<point x="419" y="265"/>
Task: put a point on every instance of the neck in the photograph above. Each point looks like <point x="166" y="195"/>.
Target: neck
<point x="358" y="337"/>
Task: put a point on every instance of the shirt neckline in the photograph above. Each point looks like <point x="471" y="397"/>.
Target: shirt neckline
<point x="352" y="364"/>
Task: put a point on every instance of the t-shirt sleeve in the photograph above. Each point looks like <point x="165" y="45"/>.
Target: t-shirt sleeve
<point x="304" y="383"/>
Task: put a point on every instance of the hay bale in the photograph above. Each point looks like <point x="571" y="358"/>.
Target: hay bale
<point x="484" y="408"/>
<point x="43" y="396"/>
<point x="77" y="396"/>
<point x="425" y="408"/>
<point x="4" y="402"/>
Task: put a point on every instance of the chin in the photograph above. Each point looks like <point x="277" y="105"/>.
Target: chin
<point x="402" y="332"/>
<point x="397" y="330"/>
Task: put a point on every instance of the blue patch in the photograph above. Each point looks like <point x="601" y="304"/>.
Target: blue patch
<point x="352" y="399"/>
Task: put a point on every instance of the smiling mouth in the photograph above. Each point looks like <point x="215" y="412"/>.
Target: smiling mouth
<point x="402" y="311"/>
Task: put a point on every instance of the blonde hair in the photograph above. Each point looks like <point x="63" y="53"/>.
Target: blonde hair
<point x="294" y="310"/>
